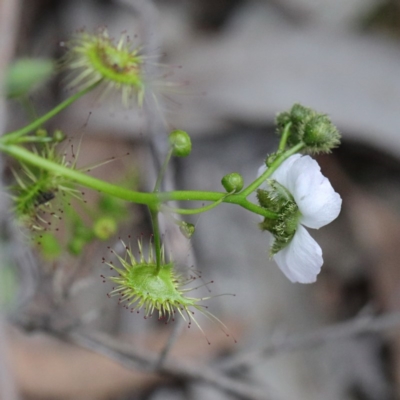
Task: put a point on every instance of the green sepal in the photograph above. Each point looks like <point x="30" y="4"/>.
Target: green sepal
<point x="280" y="201"/>
<point x="266" y="201"/>
<point x="274" y="198"/>
<point x="284" y="227"/>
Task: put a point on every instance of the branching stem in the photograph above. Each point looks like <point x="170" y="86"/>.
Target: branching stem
<point x="12" y="136"/>
<point x="149" y="199"/>
<point x="272" y="168"/>
<point x="284" y="138"/>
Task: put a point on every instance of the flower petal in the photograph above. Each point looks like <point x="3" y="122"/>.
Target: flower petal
<point x="301" y="260"/>
<point x="282" y="173"/>
<point x="318" y="203"/>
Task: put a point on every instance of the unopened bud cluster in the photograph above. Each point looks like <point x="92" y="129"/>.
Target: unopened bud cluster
<point x="307" y="126"/>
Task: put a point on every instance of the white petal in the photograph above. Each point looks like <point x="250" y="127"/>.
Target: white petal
<point x="318" y="203"/>
<point x="323" y="208"/>
<point x="281" y="173"/>
<point x="301" y="260"/>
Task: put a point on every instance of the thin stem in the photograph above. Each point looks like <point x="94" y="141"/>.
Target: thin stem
<point x="285" y="135"/>
<point x="157" y="239"/>
<point x="10" y="137"/>
<point x="193" y="195"/>
<point x="162" y="171"/>
<point x="149" y="199"/>
<point x="254" y="185"/>
<point x="33" y="139"/>
<point x="193" y="210"/>
<point x="82" y="179"/>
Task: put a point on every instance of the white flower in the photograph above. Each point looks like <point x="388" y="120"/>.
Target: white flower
<point x="318" y="203"/>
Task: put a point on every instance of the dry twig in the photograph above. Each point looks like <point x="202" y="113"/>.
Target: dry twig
<point x="350" y="329"/>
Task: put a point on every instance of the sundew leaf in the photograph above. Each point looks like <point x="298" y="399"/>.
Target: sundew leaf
<point x="26" y="74"/>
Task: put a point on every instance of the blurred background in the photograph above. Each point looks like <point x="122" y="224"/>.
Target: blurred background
<point x="233" y="65"/>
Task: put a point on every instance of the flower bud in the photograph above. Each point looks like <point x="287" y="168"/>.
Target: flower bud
<point x="297" y="116"/>
<point x="180" y="143"/>
<point x="104" y="228"/>
<point x="187" y="229"/>
<point x="59" y="136"/>
<point x="232" y="182"/>
<point x="320" y="135"/>
<point x="313" y="129"/>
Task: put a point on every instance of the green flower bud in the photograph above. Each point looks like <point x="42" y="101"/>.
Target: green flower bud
<point x="233" y="182"/>
<point x="59" y="136"/>
<point x="180" y="143"/>
<point x="314" y="129"/>
<point x="187" y="229"/>
<point x="297" y="116"/>
<point x="104" y="228"/>
<point x="320" y="135"/>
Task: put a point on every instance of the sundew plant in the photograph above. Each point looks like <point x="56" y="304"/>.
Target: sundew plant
<point x="291" y="192"/>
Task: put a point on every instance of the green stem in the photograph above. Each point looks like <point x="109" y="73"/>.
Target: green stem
<point x="285" y="135"/>
<point x="157" y="239"/>
<point x="194" y="210"/>
<point x="162" y="171"/>
<point x="254" y="185"/>
<point x="82" y="179"/>
<point x="33" y="139"/>
<point x="10" y="137"/>
<point x="149" y="199"/>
